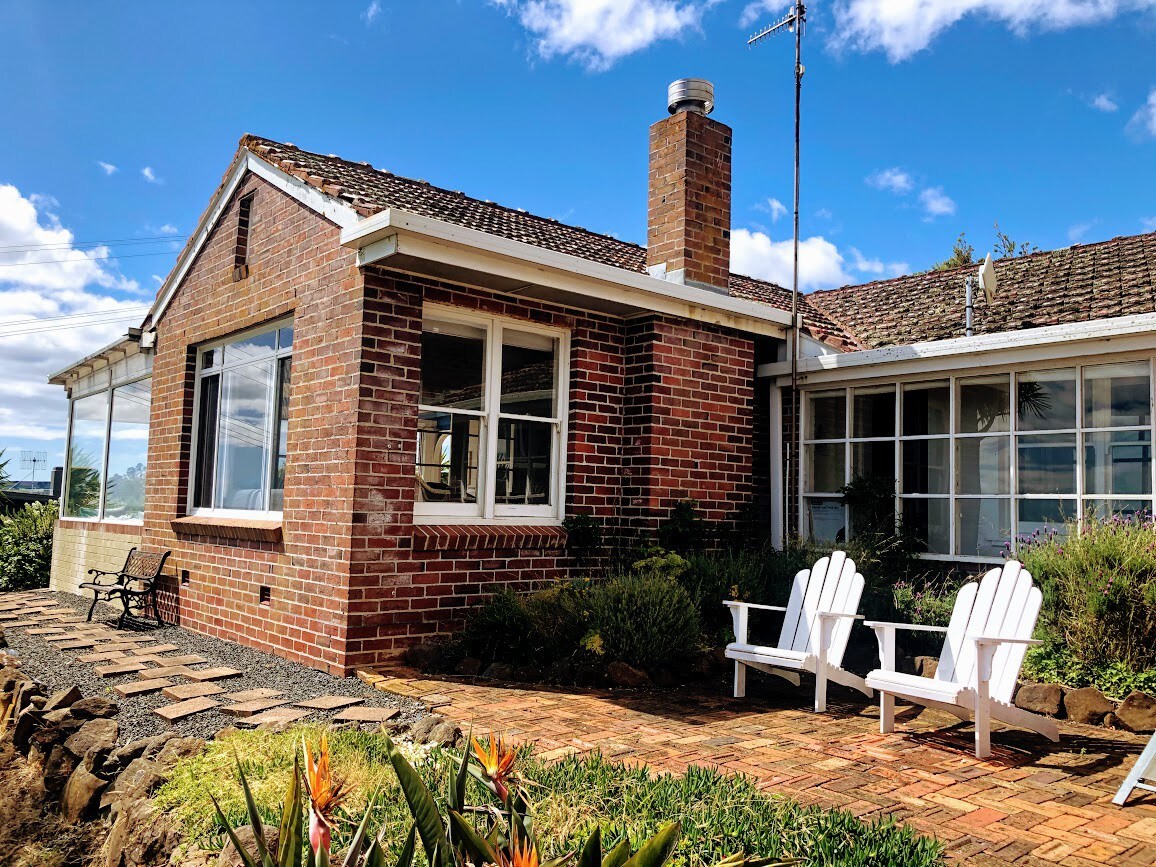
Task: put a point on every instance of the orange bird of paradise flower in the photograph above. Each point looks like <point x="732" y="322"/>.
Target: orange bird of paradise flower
<point x="497" y="761"/>
<point x="325" y="795"/>
<point x="524" y="855"/>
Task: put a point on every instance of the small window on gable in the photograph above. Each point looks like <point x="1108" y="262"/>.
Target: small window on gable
<point x="241" y="251"/>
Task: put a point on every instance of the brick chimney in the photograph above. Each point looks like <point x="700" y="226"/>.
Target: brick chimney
<point x="688" y="237"/>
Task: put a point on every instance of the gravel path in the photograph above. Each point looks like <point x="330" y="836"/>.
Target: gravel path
<point x="58" y="670"/>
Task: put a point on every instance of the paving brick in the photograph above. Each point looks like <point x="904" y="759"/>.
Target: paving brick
<point x="182" y="709"/>
<point x="275" y="715"/>
<point x="214" y="674"/>
<point x="118" y="668"/>
<point x="166" y="671"/>
<point x="45" y="630"/>
<point x="163" y="648"/>
<point x="329" y="702"/>
<point x="168" y="661"/>
<point x="366" y="714"/>
<point x="256" y="706"/>
<point x="102" y="656"/>
<point x="141" y="686"/>
<point x="252" y="694"/>
<point x="191" y="690"/>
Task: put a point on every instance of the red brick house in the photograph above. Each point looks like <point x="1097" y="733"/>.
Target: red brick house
<point x="364" y="401"/>
<point x="367" y="401"/>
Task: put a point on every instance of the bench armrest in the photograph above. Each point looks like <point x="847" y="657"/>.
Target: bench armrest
<point x="99" y="574"/>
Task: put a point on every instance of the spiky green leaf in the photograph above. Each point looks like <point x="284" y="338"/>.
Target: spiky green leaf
<point x="291" y="840"/>
<point x="656" y="851"/>
<point x="475" y="845"/>
<point x="592" y="851"/>
<point x="360" y="836"/>
<point x="242" y="853"/>
<point x="405" y="857"/>
<point x="619" y="855"/>
<point x="422" y="807"/>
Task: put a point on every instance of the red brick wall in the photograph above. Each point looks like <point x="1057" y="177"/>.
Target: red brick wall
<point x="659" y="411"/>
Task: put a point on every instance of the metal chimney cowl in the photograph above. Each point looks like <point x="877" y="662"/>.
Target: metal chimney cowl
<point x="690" y="94"/>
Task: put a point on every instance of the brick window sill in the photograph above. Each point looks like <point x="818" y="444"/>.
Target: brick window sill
<point x="249" y="529"/>
<point x="457" y="537"/>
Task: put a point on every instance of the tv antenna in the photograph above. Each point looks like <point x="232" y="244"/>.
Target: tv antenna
<point x="33" y="461"/>
<point x="795" y="21"/>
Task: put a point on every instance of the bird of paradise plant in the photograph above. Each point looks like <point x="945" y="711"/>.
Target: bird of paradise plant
<point x="325" y="795"/>
<point x="497" y="764"/>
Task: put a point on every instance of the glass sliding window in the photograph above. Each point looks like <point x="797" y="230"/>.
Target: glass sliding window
<point x="983" y="465"/>
<point x="86" y="447"/>
<point x="929" y="520"/>
<point x="826" y="468"/>
<point x="242" y="423"/>
<point x="1118" y="395"/>
<point x="128" y="447"/>
<point x="490" y="422"/>
<point x="1046" y="400"/>
<point x="827" y="415"/>
<point x="985" y="404"/>
<point x="1118" y="463"/>
<point x="927" y="466"/>
<point x="926" y="409"/>
<point x="983" y="525"/>
<point x="1046" y="463"/>
<point x="1045" y="515"/>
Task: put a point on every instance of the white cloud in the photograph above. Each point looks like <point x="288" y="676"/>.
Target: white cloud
<point x="597" y="33"/>
<point x="1148" y="223"/>
<point x="893" y="180"/>
<point x="150" y="175"/>
<point x="107" y="168"/>
<point x="820" y="262"/>
<point x="902" y="28"/>
<point x="42" y="275"/>
<point x="824" y="214"/>
<point x="371" y="12"/>
<point x="169" y="229"/>
<point x="1077" y="232"/>
<point x="936" y="203"/>
<point x="1104" y="102"/>
<point x="1143" y="122"/>
<point x="753" y="11"/>
<point x="773" y="207"/>
<point x="877" y="267"/>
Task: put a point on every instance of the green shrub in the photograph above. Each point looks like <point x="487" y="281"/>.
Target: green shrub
<point x="500" y="628"/>
<point x="645" y="619"/>
<point x="1099" y="586"/>
<point x="684" y="529"/>
<point x="26" y="546"/>
<point x="1053" y="663"/>
<point x="560" y="618"/>
<point x="928" y="601"/>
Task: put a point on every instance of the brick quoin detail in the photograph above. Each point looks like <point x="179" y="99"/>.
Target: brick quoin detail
<point x="659" y="411"/>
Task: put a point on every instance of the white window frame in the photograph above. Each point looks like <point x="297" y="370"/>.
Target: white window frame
<point x="953" y="437"/>
<point x="486" y="510"/>
<point x="106" y="388"/>
<point x="272" y="443"/>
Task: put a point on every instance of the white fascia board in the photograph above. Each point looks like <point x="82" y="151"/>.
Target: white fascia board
<point x="1097" y="337"/>
<point x="395" y="231"/>
<point x="332" y="209"/>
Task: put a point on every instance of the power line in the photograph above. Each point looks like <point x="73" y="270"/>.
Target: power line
<point x="85" y="259"/>
<point x="151" y="239"/>
<point x="130" y="309"/>
<point x="64" y="326"/>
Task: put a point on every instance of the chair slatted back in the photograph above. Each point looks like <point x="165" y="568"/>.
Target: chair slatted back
<point x="1005" y="603"/>
<point x="832" y="584"/>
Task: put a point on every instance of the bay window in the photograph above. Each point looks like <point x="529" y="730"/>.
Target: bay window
<point x="979" y="460"/>
<point x="242" y="422"/>
<point x="491" y="419"/>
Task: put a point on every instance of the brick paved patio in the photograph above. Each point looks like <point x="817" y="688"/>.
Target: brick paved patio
<point x="1032" y="803"/>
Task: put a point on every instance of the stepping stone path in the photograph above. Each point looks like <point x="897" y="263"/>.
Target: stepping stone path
<point x="277" y="715"/>
<point x="191" y="690"/>
<point x="251" y="694"/>
<point x="102" y="656"/>
<point x="213" y="674"/>
<point x="366" y="714"/>
<point x="328" y="702"/>
<point x="182" y="709"/>
<point x="119" y="668"/>
<point x="167" y="671"/>
<point x="141" y="686"/>
<point x="250" y="708"/>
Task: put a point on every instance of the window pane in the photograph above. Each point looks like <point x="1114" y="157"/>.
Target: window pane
<point x="207" y="418"/>
<point x="1047" y="464"/>
<point x="930" y="522"/>
<point x="452" y="365"/>
<point x="983" y="465"/>
<point x="827" y="416"/>
<point x="285" y="338"/>
<point x="1046" y="400"/>
<point x="1046" y="516"/>
<point x="210" y="358"/>
<point x="876" y="460"/>
<point x="528" y="374"/>
<point x="1104" y="509"/>
<point x="926" y="468"/>
<point x="128" y="448"/>
<point x="249" y="348"/>
<point x="984" y="526"/>
<point x="277" y="487"/>
<point x="1117" y="395"/>
<point x="984" y="404"/>
<point x="826" y="520"/>
<point x="926" y="409"/>
<point x="86" y="456"/>
<point x="525" y="455"/>
<point x="448" y="450"/>
<point x="826" y="469"/>
<point x="874" y="413"/>
<point x="1118" y="462"/>
<point x="243" y="458"/>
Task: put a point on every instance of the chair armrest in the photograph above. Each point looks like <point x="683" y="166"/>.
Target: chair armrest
<point x="99" y="574"/>
<point x="917" y="627"/>
<point x="991" y="640"/>
<point x="733" y="604"/>
<point x="836" y="615"/>
<point x="985" y="647"/>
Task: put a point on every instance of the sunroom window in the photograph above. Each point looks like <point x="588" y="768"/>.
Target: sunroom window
<point x="490" y="419"/>
<point x="242" y="422"/>
<point x="981" y="459"/>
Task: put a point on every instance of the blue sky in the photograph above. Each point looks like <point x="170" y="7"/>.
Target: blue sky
<point x="922" y="119"/>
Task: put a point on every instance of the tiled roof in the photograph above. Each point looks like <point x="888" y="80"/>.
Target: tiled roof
<point x="1059" y="287"/>
<point x="369" y="190"/>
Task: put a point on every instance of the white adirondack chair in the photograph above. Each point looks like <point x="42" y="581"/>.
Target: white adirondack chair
<point x="984" y="645"/>
<point x="816" y="626"/>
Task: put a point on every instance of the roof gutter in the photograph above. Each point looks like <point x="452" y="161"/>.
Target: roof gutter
<point x="394" y="233"/>
<point x="1100" y="336"/>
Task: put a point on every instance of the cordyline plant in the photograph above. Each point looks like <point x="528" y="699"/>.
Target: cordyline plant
<point x="449" y="840"/>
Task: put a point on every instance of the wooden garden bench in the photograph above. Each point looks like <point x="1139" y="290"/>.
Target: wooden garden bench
<point x="135" y="584"/>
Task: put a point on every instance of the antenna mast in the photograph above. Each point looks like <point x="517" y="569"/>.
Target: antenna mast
<point x="795" y="21"/>
<point x="33" y="461"/>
